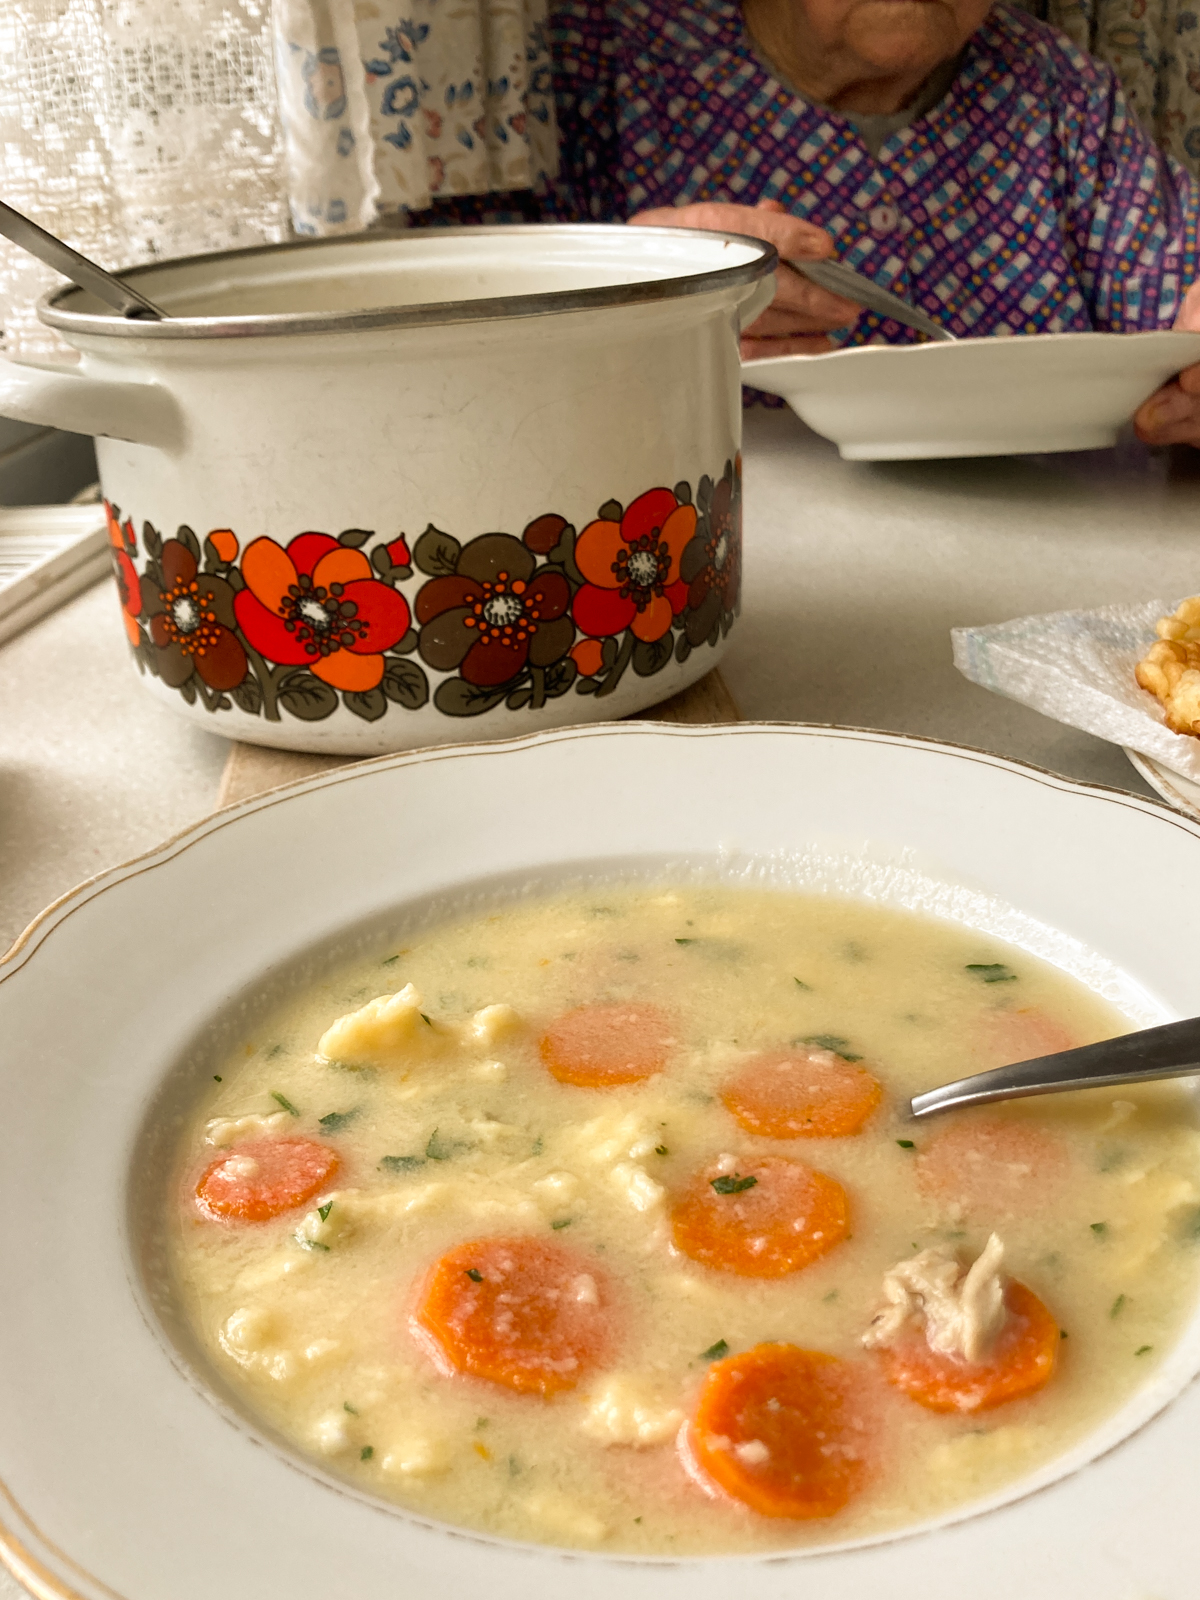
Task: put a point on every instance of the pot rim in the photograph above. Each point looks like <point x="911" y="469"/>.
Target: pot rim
<point x="51" y="310"/>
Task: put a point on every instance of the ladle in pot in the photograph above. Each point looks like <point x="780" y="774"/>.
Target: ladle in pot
<point x="78" y="268"/>
<point x="1170" y="1051"/>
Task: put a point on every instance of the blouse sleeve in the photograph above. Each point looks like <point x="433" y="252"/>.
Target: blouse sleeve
<point x="1131" y="211"/>
<point x="584" y="51"/>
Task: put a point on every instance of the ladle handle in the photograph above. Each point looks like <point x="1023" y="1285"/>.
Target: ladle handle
<point x="1170" y="1051"/>
<point x="46" y="247"/>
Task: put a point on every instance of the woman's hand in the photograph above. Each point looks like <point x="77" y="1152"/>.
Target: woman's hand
<point x="796" y="322"/>
<point x="1172" y="413"/>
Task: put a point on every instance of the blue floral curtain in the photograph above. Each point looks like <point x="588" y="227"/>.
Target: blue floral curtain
<point x="1154" y="48"/>
<point x="389" y="104"/>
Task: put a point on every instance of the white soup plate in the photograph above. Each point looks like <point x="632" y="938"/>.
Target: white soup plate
<point x="125" y="1471"/>
<point x="1024" y="395"/>
<point x="1178" y="791"/>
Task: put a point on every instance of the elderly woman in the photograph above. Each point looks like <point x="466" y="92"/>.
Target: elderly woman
<point x="957" y="152"/>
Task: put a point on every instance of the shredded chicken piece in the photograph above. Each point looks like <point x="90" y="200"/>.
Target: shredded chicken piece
<point x="959" y="1309"/>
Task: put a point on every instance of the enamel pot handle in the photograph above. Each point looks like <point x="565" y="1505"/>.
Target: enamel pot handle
<point x="63" y="397"/>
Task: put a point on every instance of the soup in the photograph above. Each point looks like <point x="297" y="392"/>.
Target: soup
<point x="598" y="1221"/>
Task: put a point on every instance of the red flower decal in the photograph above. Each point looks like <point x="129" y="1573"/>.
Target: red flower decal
<point x="631" y="568"/>
<point x="316" y="604"/>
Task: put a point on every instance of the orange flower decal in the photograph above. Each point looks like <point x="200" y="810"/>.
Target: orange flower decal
<point x="124" y="546"/>
<point x="316" y="604"/>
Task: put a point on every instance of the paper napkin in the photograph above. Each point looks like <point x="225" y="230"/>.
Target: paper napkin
<point x="1077" y="667"/>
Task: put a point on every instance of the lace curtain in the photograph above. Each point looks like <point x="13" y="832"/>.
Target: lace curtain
<point x="135" y="129"/>
<point x="144" y="129"/>
<point x="1154" y="48"/>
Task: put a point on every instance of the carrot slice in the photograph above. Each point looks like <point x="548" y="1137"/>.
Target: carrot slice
<point x="523" y="1312"/>
<point x="263" y="1178"/>
<point x="600" y="1046"/>
<point x="802" y="1094"/>
<point x="1020" y="1034"/>
<point x="987" y="1164"/>
<point x="776" y="1428"/>
<point x="1019" y="1363"/>
<point x="765" y="1219"/>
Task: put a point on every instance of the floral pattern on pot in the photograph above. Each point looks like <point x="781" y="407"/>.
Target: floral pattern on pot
<point x="190" y="619"/>
<point x="123" y="547"/>
<point x="492" y="615"/>
<point x="711" y="565"/>
<point x="317" y="604"/>
<point x="302" y="628"/>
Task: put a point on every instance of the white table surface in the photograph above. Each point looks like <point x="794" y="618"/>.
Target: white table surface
<point x="854" y="576"/>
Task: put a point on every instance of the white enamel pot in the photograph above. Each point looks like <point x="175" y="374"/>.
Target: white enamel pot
<point x="378" y="493"/>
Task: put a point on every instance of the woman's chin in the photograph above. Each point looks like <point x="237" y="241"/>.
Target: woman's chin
<point x="903" y="35"/>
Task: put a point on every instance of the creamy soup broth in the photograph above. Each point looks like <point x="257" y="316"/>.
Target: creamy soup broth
<point x="456" y="1131"/>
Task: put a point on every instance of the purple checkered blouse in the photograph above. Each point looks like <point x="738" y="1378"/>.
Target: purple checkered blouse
<point x="1029" y="200"/>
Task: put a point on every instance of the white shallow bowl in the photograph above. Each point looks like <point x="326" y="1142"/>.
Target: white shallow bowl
<point x="123" y="1472"/>
<point x="976" y="397"/>
<point x="1178" y="791"/>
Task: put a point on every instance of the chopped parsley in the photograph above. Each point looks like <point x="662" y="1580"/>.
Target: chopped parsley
<point x="402" y="1163"/>
<point x="323" y="1211"/>
<point x="283" y="1100"/>
<point x="536" y="1149"/>
<point x="217" y="1078"/>
<point x="733" y="1183"/>
<point x="474" y="1274"/>
<point x="335" y="1121"/>
<point x="425" y="1019"/>
<point x="310" y="1244"/>
<point x="436" y="1149"/>
<point x="1115" y="1310"/>
<point x="389" y="961"/>
<point x="831" y="1041"/>
<point x="346" y="1406"/>
<point x="832" y="1295"/>
<point x="367" y="1451"/>
<point x="991" y="971"/>
<point x="1143" y="1350"/>
<point x="274" y="1051"/>
<point x="661" y="1150"/>
<point x="800" y="984"/>
<point x="563" y="1222"/>
<point x="715" y="1352"/>
<point x="685" y="941"/>
<point x="1098" y="1228"/>
<point x="906" y="1144"/>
